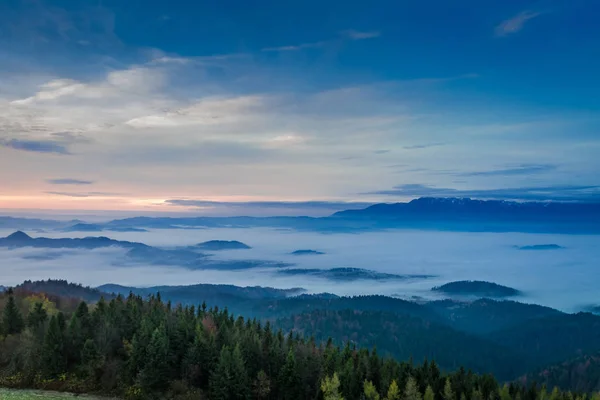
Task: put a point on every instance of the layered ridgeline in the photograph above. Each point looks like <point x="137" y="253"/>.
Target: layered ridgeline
<point x="456" y="214"/>
<point x="505" y="338"/>
<point x="145" y="348"/>
<point x="193" y="257"/>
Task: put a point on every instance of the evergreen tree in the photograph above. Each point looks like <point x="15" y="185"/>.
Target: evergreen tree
<point x="239" y="386"/>
<point x="288" y="378"/>
<point x="220" y="379"/>
<point x="505" y="393"/>
<point x="411" y="391"/>
<point x="331" y="388"/>
<point x="155" y="374"/>
<point x="393" y="391"/>
<point x="370" y="391"/>
<point x="448" y="392"/>
<point x="53" y="352"/>
<point x="37" y="316"/>
<point x="12" y="321"/>
<point x="429" y="394"/>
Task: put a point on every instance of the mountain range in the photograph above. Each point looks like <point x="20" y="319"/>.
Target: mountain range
<point x="459" y="214"/>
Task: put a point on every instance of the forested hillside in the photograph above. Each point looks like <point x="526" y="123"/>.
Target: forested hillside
<point x="142" y="348"/>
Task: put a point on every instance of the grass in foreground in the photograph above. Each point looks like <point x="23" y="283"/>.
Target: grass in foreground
<point x="10" y="394"/>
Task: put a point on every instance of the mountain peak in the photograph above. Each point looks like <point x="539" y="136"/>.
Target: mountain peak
<point x="18" y="236"/>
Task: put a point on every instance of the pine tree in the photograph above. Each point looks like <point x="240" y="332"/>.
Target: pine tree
<point x="555" y="395"/>
<point x="411" y="391"/>
<point x="12" y="321"/>
<point x="239" y="386"/>
<point x="505" y="393"/>
<point x="155" y="374"/>
<point x="221" y="377"/>
<point x="448" y="392"/>
<point x="370" y="391"/>
<point x="37" y="316"/>
<point x="429" y="394"/>
<point x="53" y="352"/>
<point x="288" y="378"/>
<point x="393" y="391"/>
<point x="331" y="387"/>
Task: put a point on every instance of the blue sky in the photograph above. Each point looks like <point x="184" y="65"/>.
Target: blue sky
<point x="153" y="105"/>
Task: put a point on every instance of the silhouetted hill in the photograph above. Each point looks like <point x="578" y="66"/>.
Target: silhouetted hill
<point x="63" y="288"/>
<point x="306" y="252"/>
<point x="21" y="239"/>
<point x="348" y="274"/>
<point x="188" y="257"/>
<point x="222" y="245"/>
<point x="550" y="246"/>
<point x="234" y="297"/>
<point x="484" y="215"/>
<point x="476" y="288"/>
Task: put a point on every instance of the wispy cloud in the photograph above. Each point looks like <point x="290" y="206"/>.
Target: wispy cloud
<point x="382" y="151"/>
<point x="423" y="146"/>
<point x="360" y="35"/>
<point x="36" y="146"/>
<point x="516" y="23"/>
<point x="296" y="47"/>
<point x="587" y="193"/>
<point x="69" y="181"/>
<point x="523" y="169"/>
<point x="85" y="194"/>
<point x="348" y="34"/>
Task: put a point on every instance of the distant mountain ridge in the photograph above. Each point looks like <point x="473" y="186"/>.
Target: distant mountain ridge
<point x="189" y="257"/>
<point x="452" y="214"/>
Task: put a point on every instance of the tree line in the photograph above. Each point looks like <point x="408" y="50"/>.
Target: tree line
<point x="141" y="348"/>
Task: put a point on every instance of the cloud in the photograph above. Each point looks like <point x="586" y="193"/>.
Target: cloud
<point x="36" y="146"/>
<point x="360" y="35"/>
<point x="69" y="181"/>
<point x="423" y="146"/>
<point x="270" y="208"/>
<point x="516" y="23"/>
<point x="382" y="151"/>
<point x="523" y="169"/>
<point x="85" y="194"/>
<point x="584" y="193"/>
<point x="296" y="47"/>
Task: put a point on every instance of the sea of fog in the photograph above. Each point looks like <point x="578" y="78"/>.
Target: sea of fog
<point x="566" y="279"/>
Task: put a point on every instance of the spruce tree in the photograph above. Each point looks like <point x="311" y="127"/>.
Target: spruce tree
<point x="288" y="378"/>
<point x="53" y="352"/>
<point x="37" y="316"/>
<point x="429" y="394"/>
<point x="370" y="391"/>
<point x="331" y="388"/>
<point x="240" y="385"/>
<point x="155" y="373"/>
<point x="220" y="380"/>
<point x="448" y="392"/>
<point x="411" y="391"/>
<point x="393" y="391"/>
<point x="12" y="321"/>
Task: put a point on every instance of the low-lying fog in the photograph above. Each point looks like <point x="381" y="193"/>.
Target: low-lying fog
<point x="566" y="278"/>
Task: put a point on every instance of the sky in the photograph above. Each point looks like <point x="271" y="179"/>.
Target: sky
<point x="157" y="107"/>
